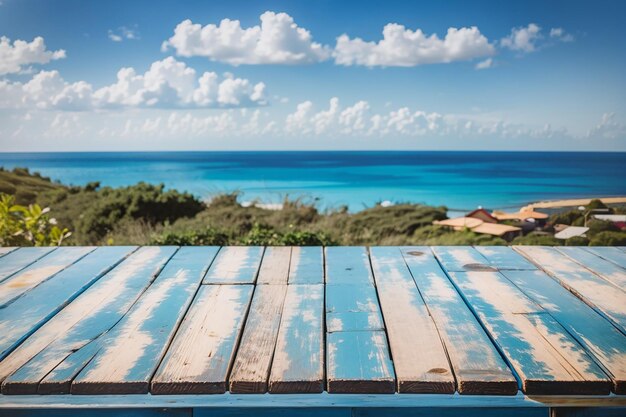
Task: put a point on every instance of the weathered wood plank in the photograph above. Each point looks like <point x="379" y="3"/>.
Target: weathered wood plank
<point x="66" y="343"/>
<point x="504" y="258"/>
<point x="610" y="253"/>
<point x="605" y="269"/>
<point x="199" y="358"/>
<point x="251" y="368"/>
<point x="359" y="362"/>
<point x="307" y="265"/>
<point x="545" y="357"/>
<point x="6" y="250"/>
<point x="20" y="259"/>
<point x="22" y="317"/>
<point x="595" y="291"/>
<point x="298" y="364"/>
<point x="33" y="275"/>
<point x="275" y="265"/>
<point x="235" y="265"/>
<point x="477" y="365"/>
<point x="601" y="339"/>
<point x="419" y="357"/>
<point x="460" y="258"/>
<point x="133" y="349"/>
<point x="352" y="307"/>
<point x="348" y="265"/>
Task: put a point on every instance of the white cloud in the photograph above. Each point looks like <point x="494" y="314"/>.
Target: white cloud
<point x="401" y="47"/>
<point x="278" y="40"/>
<point x="122" y="33"/>
<point x="608" y="128"/>
<point x="561" y="35"/>
<point x="167" y="84"/>
<point x="22" y="53"/>
<point x="487" y="63"/>
<point x="530" y="38"/>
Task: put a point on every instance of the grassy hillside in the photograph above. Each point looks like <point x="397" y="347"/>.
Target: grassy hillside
<point x="149" y="214"/>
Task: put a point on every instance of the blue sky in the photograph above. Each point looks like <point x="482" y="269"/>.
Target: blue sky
<point x="510" y="75"/>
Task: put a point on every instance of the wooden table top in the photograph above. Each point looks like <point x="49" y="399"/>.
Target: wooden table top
<point x="306" y="320"/>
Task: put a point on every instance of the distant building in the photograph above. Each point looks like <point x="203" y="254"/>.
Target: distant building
<point x="618" y="220"/>
<point x="477" y="225"/>
<point x="483" y="215"/>
<point x="570" y="232"/>
<point x="524" y="215"/>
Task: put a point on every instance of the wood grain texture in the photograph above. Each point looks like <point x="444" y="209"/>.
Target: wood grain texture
<point x="478" y="367"/>
<point x="544" y="356"/>
<point x="352" y="308"/>
<point x="6" y="250"/>
<point x="605" y="269"/>
<point x="307" y="265"/>
<point x="419" y="357"/>
<point x="460" y="258"/>
<point x="275" y="265"/>
<point x="58" y="350"/>
<point x="602" y="295"/>
<point x="199" y="358"/>
<point x="504" y="258"/>
<point x="33" y="275"/>
<point x="235" y="265"/>
<point x="601" y="339"/>
<point x="15" y="260"/>
<point x="131" y="352"/>
<point x="22" y="317"/>
<point x="298" y="364"/>
<point x="251" y="368"/>
<point x="359" y="362"/>
<point x="348" y="265"/>
<point x="612" y="254"/>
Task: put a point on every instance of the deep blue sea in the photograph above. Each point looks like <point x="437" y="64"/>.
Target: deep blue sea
<point x="459" y="180"/>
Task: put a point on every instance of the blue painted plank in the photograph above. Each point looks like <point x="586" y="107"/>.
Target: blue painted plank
<point x="21" y="258"/>
<point x="605" y="269"/>
<point x="58" y="350"/>
<point x="252" y="364"/>
<point x="504" y="258"/>
<point x="460" y="258"/>
<point x="545" y="357"/>
<point x="589" y="412"/>
<point x="298" y="363"/>
<point x="348" y="265"/>
<point x="478" y="366"/>
<point x="275" y="265"/>
<point x="312" y="411"/>
<point x="201" y="354"/>
<point x="4" y="250"/>
<point x="22" y="317"/>
<point x="352" y="307"/>
<point x="235" y="265"/>
<point x="410" y="328"/>
<point x="133" y="349"/>
<point x="592" y="331"/>
<point x="307" y="265"/>
<point x="91" y="412"/>
<point x="359" y="362"/>
<point x="605" y="297"/>
<point x="610" y="253"/>
<point x="28" y="278"/>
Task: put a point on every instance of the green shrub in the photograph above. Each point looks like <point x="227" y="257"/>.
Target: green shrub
<point x="208" y="237"/>
<point x="577" y="241"/>
<point x="535" y="239"/>
<point x="28" y="226"/>
<point x="609" y="239"/>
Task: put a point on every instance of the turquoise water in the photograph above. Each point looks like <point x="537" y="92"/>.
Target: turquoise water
<point x="459" y="180"/>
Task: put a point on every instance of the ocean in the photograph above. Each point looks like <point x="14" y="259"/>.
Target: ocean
<point x="459" y="180"/>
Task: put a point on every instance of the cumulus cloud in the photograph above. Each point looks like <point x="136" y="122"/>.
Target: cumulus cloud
<point x="167" y="84"/>
<point x="278" y="40"/>
<point x="402" y="47"/>
<point x="608" y="128"/>
<point x="529" y="38"/>
<point x="14" y="56"/>
<point x="123" y="33"/>
<point x="487" y="63"/>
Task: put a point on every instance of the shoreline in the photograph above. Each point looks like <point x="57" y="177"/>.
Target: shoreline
<point x="574" y="202"/>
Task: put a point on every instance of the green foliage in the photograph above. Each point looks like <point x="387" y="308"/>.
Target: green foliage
<point x="208" y="237"/>
<point x="28" y="226"/>
<point x="537" y="239"/>
<point x="577" y="241"/>
<point x="597" y="226"/>
<point x="440" y="235"/>
<point x="595" y="204"/>
<point x="568" y="217"/>
<point x="609" y="239"/>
